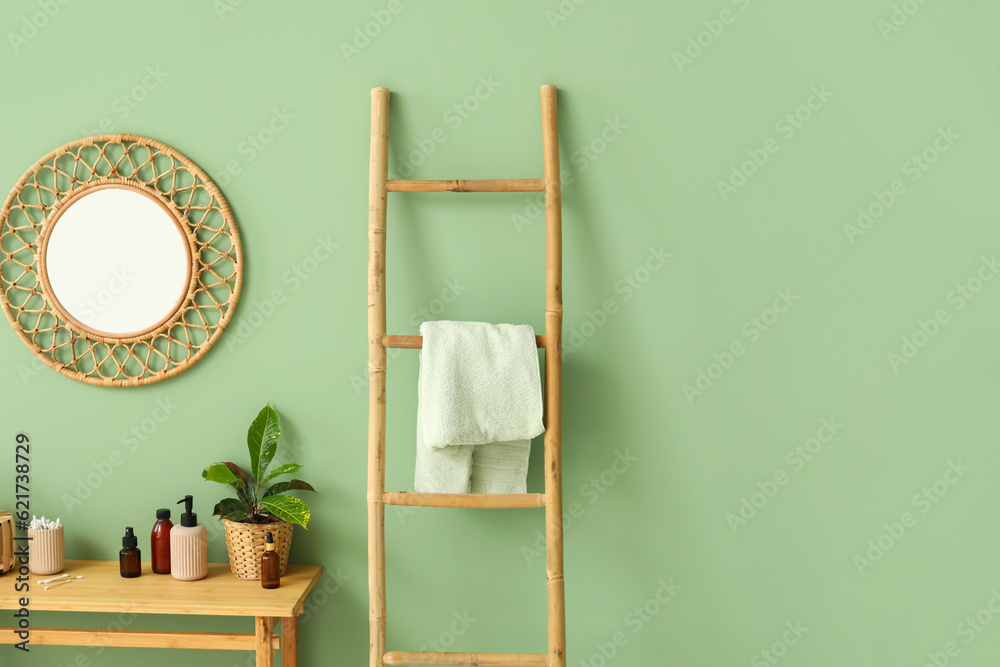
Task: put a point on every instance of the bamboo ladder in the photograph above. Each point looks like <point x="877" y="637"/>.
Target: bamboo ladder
<point x="378" y="341"/>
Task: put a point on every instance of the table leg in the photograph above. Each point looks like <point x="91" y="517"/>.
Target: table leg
<point x="289" y="641"/>
<point x="265" y="653"/>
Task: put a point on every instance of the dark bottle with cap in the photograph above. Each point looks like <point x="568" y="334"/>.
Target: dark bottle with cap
<point x="160" y="542"/>
<point x="129" y="558"/>
<point x="188" y="546"/>
<point x="270" y="565"/>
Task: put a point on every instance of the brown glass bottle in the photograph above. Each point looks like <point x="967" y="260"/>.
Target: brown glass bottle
<point x="129" y="558"/>
<point x="160" y="542"/>
<point x="270" y="565"/>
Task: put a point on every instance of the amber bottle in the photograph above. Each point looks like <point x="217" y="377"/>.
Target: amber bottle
<point x="129" y="561"/>
<point x="270" y="565"/>
<point x="160" y="542"/>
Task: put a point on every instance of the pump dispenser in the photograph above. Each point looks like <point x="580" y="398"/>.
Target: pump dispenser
<point x="188" y="546"/>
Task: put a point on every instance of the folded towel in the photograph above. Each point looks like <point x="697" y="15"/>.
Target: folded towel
<point x="479" y="404"/>
<point x="501" y="467"/>
<point x="479" y="383"/>
<point x="442" y="469"/>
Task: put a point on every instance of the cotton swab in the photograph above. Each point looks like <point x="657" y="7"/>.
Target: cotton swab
<point x="44" y="524"/>
<point x="63" y="581"/>
<point x="49" y="581"/>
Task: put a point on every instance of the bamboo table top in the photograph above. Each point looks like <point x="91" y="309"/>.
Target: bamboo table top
<point x="103" y="589"/>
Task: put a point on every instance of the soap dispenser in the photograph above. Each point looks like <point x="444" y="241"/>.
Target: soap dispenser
<point x="188" y="546"/>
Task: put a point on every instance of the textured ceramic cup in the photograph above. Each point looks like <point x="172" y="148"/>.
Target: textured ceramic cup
<point x="46" y="551"/>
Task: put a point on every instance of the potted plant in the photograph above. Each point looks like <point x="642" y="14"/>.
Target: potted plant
<point x="259" y="509"/>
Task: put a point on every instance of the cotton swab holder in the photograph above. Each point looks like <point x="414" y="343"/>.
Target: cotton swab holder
<point x="6" y="542"/>
<point x="46" y="550"/>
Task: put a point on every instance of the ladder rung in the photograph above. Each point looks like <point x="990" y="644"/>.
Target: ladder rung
<point x="472" y="500"/>
<point x="416" y="342"/>
<point x="441" y="659"/>
<point x="460" y="185"/>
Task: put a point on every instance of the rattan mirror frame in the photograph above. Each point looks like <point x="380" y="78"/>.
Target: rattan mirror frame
<point x="186" y="192"/>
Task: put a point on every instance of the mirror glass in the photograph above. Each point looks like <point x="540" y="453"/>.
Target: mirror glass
<point x="117" y="261"/>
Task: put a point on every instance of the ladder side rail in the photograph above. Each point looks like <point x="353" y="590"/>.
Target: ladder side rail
<point x="378" y="174"/>
<point x="553" y="381"/>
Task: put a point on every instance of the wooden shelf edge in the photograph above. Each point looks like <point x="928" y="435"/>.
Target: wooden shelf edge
<point x="233" y="641"/>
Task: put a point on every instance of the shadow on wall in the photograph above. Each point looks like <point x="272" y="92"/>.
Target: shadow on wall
<point x="579" y="225"/>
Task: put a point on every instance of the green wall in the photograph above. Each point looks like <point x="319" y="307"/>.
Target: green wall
<point x="741" y="418"/>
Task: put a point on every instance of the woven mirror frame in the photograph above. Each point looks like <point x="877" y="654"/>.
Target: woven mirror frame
<point x="203" y="217"/>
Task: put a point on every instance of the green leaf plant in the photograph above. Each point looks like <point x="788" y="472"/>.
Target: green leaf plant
<point x="253" y="502"/>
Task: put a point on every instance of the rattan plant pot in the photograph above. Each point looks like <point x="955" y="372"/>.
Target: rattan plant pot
<point x="245" y="542"/>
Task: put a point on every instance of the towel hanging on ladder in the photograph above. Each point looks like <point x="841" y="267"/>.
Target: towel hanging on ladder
<point x="479" y="406"/>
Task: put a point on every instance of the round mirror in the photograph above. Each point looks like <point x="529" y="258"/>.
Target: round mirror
<point x="116" y="260"/>
<point x="120" y="261"/>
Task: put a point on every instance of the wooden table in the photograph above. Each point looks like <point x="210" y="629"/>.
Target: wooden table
<point x="102" y="589"/>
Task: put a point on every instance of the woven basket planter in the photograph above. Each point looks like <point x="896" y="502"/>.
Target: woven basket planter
<point x="245" y="542"/>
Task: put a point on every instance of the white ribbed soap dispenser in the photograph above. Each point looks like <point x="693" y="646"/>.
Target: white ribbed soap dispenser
<point x="188" y="546"/>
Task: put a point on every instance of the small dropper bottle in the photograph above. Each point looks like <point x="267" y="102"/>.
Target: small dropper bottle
<point x="129" y="561"/>
<point x="270" y="565"/>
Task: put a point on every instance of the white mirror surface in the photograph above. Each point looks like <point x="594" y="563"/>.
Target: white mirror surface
<point x="117" y="261"/>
